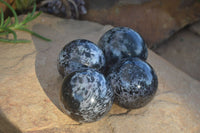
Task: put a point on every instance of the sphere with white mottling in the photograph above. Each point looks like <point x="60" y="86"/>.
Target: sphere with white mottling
<point x="122" y="42"/>
<point x="79" y="55"/>
<point x="134" y="83"/>
<point x="85" y="96"/>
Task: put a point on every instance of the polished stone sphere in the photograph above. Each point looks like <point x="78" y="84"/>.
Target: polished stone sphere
<point x="79" y="55"/>
<point x="122" y="42"/>
<point x="134" y="83"/>
<point x="85" y="96"/>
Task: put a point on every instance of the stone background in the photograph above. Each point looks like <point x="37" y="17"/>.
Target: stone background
<point x="156" y="20"/>
<point x="30" y="83"/>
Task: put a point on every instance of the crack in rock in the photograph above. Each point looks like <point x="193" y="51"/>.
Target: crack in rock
<point x="110" y="126"/>
<point x="120" y="114"/>
<point x="20" y="60"/>
<point x="79" y="124"/>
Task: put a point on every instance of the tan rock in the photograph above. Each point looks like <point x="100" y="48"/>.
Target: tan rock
<point x="30" y="83"/>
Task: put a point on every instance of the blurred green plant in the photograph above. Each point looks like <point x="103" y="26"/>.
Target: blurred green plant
<point x="7" y="27"/>
<point x="23" y="4"/>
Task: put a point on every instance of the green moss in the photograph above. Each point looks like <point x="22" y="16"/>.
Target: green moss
<point x="7" y="27"/>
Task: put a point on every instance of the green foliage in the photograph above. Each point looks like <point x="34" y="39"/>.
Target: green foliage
<point x="7" y="27"/>
<point x="23" y="4"/>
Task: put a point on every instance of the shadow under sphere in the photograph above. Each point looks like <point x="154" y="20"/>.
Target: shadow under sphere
<point x="60" y="32"/>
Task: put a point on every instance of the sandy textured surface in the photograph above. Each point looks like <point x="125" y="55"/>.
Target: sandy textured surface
<point x="30" y="83"/>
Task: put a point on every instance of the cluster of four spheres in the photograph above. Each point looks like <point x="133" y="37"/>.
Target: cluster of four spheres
<point x="96" y="76"/>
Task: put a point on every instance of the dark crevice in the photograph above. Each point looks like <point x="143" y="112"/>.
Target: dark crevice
<point x="79" y="124"/>
<point x="121" y="114"/>
<point x="20" y="60"/>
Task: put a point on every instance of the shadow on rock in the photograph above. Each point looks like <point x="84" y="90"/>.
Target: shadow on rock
<point x="6" y="125"/>
<point x="61" y="32"/>
<point x="46" y="63"/>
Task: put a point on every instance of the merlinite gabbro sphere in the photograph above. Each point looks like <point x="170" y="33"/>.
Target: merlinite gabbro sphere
<point x="85" y="96"/>
<point x="134" y="83"/>
<point x="78" y="55"/>
<point x="122" y="42"/>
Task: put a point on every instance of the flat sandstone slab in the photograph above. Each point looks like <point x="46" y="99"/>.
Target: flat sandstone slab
<point x="30" y="83"/>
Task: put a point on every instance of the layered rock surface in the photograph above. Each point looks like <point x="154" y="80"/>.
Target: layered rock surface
<point x="30" y="83"/>
<point x="156" y="20"/>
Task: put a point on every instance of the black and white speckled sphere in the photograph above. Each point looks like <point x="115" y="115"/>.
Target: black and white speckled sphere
<point x="85" y="96"/>
<point x="78" y="55"/>
<point x="122" y="42"/>
<point x="134" y="83"/>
